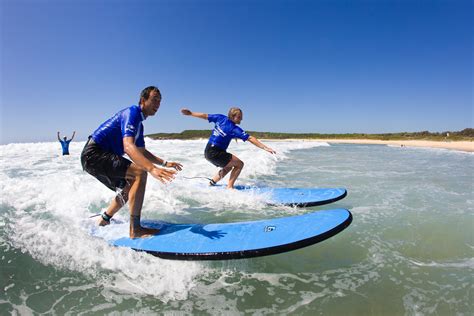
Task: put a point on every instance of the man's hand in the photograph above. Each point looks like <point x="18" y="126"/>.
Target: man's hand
<point x="271" y="151"/>
<point x="186" y="112"/>
<point x="176" y="165"/>
<point x="164" y="175"/>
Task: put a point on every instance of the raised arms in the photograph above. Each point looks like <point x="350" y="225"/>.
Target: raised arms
<point x="73" y="134"/>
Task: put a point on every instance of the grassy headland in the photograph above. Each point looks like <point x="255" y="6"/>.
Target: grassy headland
<point x="466" y="134"/>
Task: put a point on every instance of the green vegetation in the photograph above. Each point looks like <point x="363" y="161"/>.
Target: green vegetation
<point x="465" y="134"/>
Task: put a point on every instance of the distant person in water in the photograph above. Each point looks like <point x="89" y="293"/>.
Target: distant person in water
<point x="102" y="157"/>
<point x="225" y="130"/>
<point x="65" y="143"/>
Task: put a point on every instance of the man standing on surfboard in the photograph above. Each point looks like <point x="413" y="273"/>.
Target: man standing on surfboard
<point x="216" y="150"/>
<point x="102" y="157"/>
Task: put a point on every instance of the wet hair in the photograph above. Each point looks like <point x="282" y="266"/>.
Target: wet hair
<point x="145" y="94"/>
<point x="233" y="112"/>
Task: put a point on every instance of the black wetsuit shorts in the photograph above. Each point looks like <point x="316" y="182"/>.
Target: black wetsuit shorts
<point x="107" y="167"/>
<point x="217" y="156"/>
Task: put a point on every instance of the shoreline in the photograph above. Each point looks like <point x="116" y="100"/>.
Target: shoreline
<point x="467" y="146"/>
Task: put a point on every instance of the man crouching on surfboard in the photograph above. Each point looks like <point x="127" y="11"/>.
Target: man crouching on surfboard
<point x="102" y="157"/>
<point x="216" y="150"/>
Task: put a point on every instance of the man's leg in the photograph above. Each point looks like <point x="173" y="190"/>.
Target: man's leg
<point x="120" y="200"/>
<point x="136" y="196"/>
<point x="116" y="205"/>
<point x="221" y="174"/>
<point x="236" y="165"/>
<point x="133" y="192"/>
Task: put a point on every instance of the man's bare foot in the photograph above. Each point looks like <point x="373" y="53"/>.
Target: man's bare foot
<point x="143" y="232"/>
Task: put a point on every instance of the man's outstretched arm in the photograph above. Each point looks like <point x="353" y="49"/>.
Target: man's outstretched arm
<point x="260" y="145"/>
<point x="188" y="112"/>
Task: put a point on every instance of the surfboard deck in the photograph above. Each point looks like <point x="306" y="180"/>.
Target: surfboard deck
<point x="300" y="197"/>
<point x="236" y="240"/>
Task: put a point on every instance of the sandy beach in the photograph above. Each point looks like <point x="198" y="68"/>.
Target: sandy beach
<point x="454" y="145"/>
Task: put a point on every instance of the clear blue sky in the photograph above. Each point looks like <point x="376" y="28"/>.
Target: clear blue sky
<point x="337" y="66"/>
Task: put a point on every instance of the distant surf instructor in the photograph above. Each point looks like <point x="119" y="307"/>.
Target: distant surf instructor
<point x="102" y="157"/>
<point x="65" y="143"/>
<point x="225" y="130"/>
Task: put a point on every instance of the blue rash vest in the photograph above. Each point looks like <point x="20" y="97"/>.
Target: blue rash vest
<point x="65" y="146"/>
<point x="126" y="123"/>
<point x="224" y="131"/>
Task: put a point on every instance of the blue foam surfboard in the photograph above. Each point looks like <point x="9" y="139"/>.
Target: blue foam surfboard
<point x="301" y="197"/>
<point x="237" y="240"/>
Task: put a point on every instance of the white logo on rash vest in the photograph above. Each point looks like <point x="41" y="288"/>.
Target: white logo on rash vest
<point x="130" y="128"/>
<point x="218" y="131"/>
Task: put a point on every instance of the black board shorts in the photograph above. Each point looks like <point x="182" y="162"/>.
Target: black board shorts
<point x="107" y="167"/>
<point x="217" y="156"/>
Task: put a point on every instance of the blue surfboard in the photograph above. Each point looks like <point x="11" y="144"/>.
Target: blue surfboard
<point x="236" y="240"/>
<point x="301" y="197"/>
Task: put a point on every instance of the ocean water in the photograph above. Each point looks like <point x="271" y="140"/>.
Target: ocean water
<point x="408" y="251"/>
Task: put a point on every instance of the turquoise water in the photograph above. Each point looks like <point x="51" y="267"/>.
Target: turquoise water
<point x="408" y="251"/>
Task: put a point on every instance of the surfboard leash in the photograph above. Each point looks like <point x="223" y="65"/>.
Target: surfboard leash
<point x="104" y="215"/>
<point x="211" y="182"/>
<point x="197" y="178"/>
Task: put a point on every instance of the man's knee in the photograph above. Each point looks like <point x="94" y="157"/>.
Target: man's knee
<point x="239" y="164"/>
<point x="142" y="175"/>
<point x="136" y="173"/>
